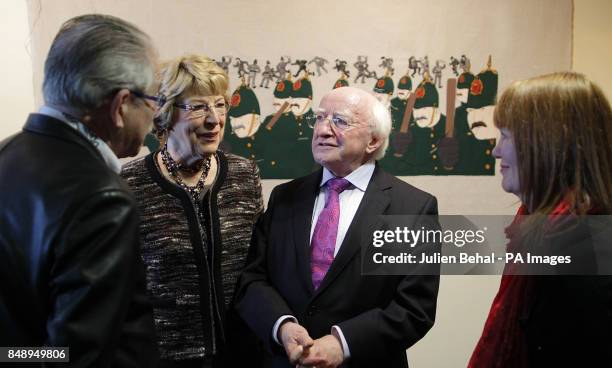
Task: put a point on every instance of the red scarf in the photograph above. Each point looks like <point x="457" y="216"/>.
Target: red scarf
<point x="502" y="343"/>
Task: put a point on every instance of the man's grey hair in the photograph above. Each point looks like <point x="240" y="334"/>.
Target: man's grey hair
<point x="381" y="127"/>
<point x="93" y="56"/>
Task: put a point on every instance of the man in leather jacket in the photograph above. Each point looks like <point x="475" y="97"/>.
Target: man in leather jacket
<point x="70" y="268"/>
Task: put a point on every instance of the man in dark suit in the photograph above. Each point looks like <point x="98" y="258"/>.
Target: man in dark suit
<point x="303" y="288"/>
<point x="70" y="261"/>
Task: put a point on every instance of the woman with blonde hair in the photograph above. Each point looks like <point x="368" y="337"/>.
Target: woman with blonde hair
<point x="556" y="157"/>
<point x="198" y="207"/>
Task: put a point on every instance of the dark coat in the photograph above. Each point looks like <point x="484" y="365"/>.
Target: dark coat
<point x="568" y="322"/>
<point x="70" y="269"/>
<point x="380" y="316"/>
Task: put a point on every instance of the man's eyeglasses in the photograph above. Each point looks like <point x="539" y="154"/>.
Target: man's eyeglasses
<point x="159" y="100"/>
<point x="340" y="122"/>
<point x="201" y="110"/>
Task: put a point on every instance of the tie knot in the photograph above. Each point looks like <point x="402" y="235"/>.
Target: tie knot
<point x="338" y="185"/>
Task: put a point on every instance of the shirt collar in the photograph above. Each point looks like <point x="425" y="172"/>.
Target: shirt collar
<point x="359" y="178"/>
<point x="108" y="155"/>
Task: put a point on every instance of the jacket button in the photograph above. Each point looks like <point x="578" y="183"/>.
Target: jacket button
<point x="313" y="310"/>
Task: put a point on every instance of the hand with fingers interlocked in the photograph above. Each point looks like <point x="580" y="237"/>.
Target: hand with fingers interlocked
<point x="295" y="340"/>
<point x="325" y="352"/>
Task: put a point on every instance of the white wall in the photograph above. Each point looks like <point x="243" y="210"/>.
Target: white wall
<point x="17" y="93"/>
<point x="593" y="41"/>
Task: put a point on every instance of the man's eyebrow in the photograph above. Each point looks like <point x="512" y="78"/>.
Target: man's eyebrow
<point x="344" y="112"/>
<point x="203" y="99"/>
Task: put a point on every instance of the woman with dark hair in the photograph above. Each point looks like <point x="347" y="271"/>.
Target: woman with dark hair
<point x="556" y="157"/>
<point x="198" y="208"/>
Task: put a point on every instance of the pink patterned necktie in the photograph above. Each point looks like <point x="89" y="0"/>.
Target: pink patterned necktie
<point x="326" y="230"/>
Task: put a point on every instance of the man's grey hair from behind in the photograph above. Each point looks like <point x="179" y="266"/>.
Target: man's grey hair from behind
<point x="381" y="127"/>
<point x="93" y="56"/>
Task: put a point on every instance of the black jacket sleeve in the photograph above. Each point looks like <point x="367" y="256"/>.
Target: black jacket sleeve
<point x="97" y="291"/>
<point x="258" y="302"/>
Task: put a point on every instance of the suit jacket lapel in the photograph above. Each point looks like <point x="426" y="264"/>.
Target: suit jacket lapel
<point x="302" y="221"/>
<point x="373" y="204"/>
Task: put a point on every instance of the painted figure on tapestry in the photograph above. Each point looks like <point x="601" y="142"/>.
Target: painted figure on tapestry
<point x="383" y="90"/>
<point x="319" y="62"/>
<point x="399" y="140"/>
<point x="254" y="69"/>
<point x="480" y="133"/>
<point x="267" y="76"/>
<point x="281" y="68"/>
<point x="242" y="133"/>
<point x="341" y="68"/>
<point x="301" y="106"/>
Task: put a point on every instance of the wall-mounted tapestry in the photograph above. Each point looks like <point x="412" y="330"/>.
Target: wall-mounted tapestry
<point x="438" y="66"/>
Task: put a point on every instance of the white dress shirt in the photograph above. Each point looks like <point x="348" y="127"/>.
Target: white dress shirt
<point x="349" y="200"/>
<point x="108" y="155"/>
